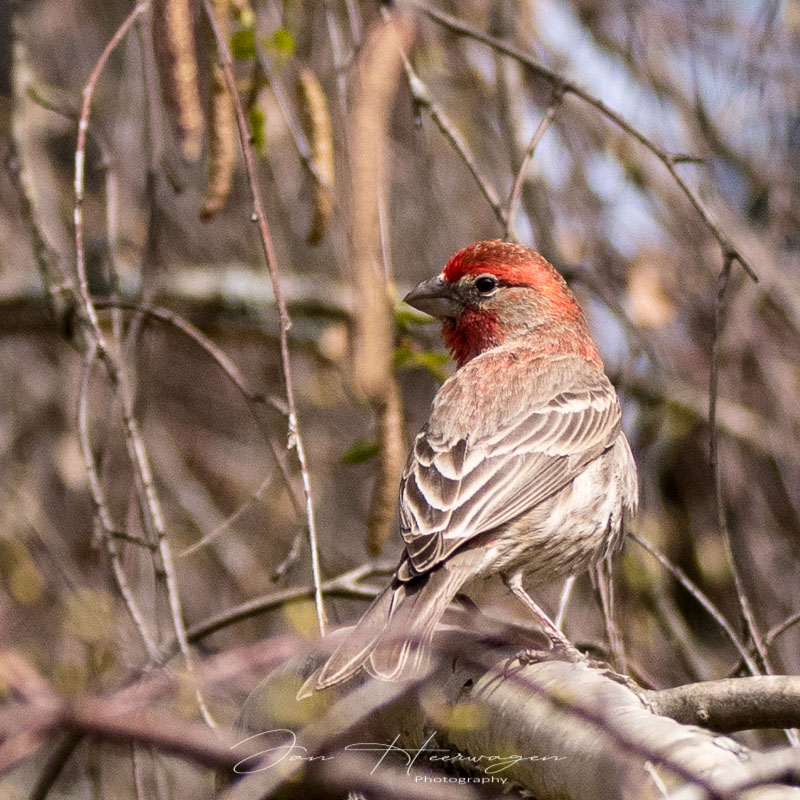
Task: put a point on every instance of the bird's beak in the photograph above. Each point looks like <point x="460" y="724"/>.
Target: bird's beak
<point x="436" y="297"/>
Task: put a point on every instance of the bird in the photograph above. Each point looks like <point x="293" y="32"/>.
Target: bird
<point x="522" y="469"/>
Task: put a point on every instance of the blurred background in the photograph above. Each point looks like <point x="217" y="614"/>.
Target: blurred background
<point x="714" y="82"/>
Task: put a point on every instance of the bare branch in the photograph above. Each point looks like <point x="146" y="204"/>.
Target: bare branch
<point x="137" y="453"/>
<point x="348" y="584"/>
<point x="701" y="598"/>
<point x="422" y="97"/>
<point x="733" y="704"/>
<point x="565" y="86"/>
<point x="519" y="180"/>
<point x="295" y="439"/>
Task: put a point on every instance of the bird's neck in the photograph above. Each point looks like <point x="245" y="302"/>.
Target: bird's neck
<point x="476" y="332"/>
<point x="471" y="334"/>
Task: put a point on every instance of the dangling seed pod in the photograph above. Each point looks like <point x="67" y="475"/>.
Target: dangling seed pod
<point x="316" y="120"/>
<point x="173" y="40"/>
<point x="221" y="127"/>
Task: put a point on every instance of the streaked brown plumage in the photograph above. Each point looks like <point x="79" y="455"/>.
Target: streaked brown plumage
<point x="522" y="468"/>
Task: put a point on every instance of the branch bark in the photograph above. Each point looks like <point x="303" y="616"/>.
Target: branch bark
<point x="733" y="704"/>
<point x="576" y="731"/>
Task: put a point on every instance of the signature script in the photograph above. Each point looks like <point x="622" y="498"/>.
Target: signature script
<point x="281" y="745"/>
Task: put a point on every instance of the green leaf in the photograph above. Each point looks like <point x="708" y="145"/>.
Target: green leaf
<point x="256" y="119"/>
<point x="283" y="41"/>
<point x="433" y="362"/>
<point x="243" y="44"/>
<point x="402" y="355"/>
<point x="360" y="451"/>
<point x="405" y="317"/>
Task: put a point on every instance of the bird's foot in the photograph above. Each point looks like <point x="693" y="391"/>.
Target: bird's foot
<point x="559" y="651"/>
<point x="562" y="649"/>
<point x="529" y="655"/>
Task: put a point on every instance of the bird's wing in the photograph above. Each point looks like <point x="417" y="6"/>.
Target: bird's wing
<point x="526" y="428"/>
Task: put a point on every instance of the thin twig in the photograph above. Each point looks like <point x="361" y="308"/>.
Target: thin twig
<point x="143" y="479"/>
<point x="289" y="559"/>
<point x="559" y="83"/>
<point x="519" y="180"/>
<point x="105" y="523"/>
<point x="227" y="365"/>
<point x="423" y="99"/>
<point x="719" y="497"/>
<point x="701" y="598"/>
<point x="773" y="633"/>
<point x="230" y="519"/>
<point x="224" y="362"/>
<point x="348" y="584"/>
<point x="295" y="440"/>
<point x="296" y="134"/>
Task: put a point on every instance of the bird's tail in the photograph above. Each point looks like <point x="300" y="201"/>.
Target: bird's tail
<point x="392" y="640"/>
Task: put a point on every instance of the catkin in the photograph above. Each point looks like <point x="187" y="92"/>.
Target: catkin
<point x="316" y="120"/>
<point x="221" y="128"/>
<point x="173" y="41"/>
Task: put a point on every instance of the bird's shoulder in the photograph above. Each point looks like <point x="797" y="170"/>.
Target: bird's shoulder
<point x="492" y="450"/>
<point x="505" y="386"/>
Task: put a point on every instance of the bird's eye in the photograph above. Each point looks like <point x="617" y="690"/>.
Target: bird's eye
<point x="486" y="284"/>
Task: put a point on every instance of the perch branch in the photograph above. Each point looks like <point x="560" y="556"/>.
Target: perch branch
<point x="295" y="440"/>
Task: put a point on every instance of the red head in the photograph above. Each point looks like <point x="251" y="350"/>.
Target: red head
<point x="493" y="293"/>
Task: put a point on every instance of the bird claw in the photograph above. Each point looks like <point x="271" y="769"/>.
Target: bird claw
<point x="525" y="657"/>
<point x="558" y="652"/>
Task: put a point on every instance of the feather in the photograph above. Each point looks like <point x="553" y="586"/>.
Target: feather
<point x="473" y="474"/>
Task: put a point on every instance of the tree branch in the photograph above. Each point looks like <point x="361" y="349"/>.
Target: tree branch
<point x="733" y="704"/>
<point x="578" y="732"/>
<point x="561" y="84"/>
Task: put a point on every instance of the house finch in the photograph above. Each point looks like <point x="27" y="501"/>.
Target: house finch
<point x="522" y="468"/>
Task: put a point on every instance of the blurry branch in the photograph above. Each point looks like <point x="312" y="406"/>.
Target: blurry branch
<point x="565" y="87"/>
<point x="105" y="525"/>
<point x="720" y="308"/>
<point x="348" y="585"/>
<point x="732" y="704"/>
<point x="373" y="345"/>
<point x="168" y="733"/>
<point x="58" y="283"/>
<point x="26" y="725"/>
<point x="213" y="296"/>
<point x="230" y="300"/>
<point x="96" y="345"/>
<point x="701" y="598"/>
<point x="593" y="735"/>
<point x="33" y="712"/>
<point x="519" y="180"/>
<point x="423" y="99"/>
<point x="295" y="440"/>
